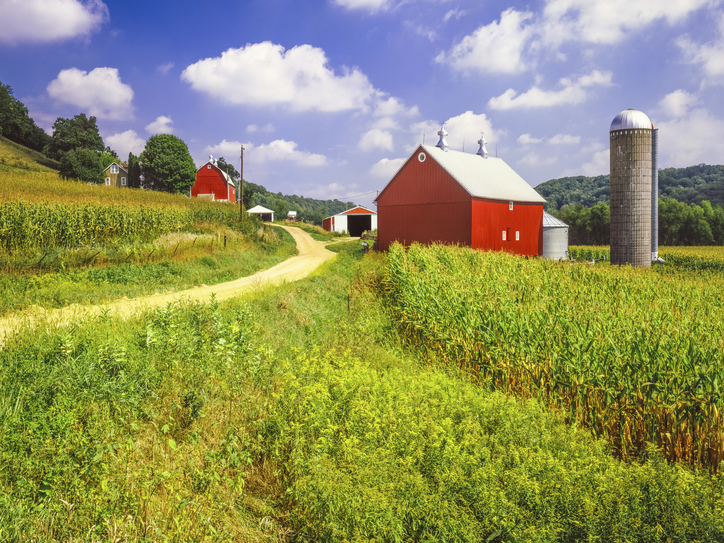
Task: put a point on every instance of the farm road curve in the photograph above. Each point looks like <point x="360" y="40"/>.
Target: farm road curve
<point x="311" y="255"/>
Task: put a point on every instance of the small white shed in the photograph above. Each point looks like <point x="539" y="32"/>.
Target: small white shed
<point x="266" y="215"/>
<point x="354" y="221"/>
<point x="555" y="238"/>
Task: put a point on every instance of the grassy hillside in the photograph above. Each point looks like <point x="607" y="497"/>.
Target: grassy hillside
<point x="16" y="158"/>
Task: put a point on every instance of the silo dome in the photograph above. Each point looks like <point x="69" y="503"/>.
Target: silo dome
<point x="630" y="118"/>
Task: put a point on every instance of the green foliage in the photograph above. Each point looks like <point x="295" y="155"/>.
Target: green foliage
<point x="166" y="164"/>
<point x="635" y="357"/>
<point x="134" y="171"/>
<point x="228" y="168"/>
<point x="16" y="125"/>
<point x="587" y="226"/>
<point x="585" y="191"/>
<point x="78" y="132"/>
<point x="83" y="165"/>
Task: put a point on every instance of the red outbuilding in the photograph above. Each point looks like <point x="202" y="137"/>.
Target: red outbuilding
<point x="213" y="182"/>
<point x="439" y="195"/>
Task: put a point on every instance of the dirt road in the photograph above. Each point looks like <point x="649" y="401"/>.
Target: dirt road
<point x="311" y="255"/>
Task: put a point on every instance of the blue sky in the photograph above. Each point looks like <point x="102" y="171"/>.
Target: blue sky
<point x="329" y="97"/>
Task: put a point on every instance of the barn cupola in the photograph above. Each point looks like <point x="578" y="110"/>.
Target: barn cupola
<point x="211" y="158"/>
<point x="442" y="143"/>
<point x="483" y="152"/>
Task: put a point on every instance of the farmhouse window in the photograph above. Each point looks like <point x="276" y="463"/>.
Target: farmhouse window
<point x="123" y="181"/>
<point x="108" y="181"/>
<point x="114" y="169"/>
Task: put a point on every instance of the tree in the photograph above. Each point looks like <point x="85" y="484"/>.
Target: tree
<point x="83" y="164"/>
<point x="229" y="169"/>
<point x="16" y="125"/>
<point x="134" y="171"/>
<point x="80" y="132"/>
<point x="166" y="164"/>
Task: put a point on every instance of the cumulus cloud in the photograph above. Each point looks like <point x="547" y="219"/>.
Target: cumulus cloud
<point x="694" y="138"/>
<point x="100" y="92"/>
<point x="534" y="159"/>
<point x="600" y="164"/>
<point x="268" y="128"/>
<point x="677" y="103"/>
<point x="276" y="151"/>
<point x="610" y="21"/>
<point x="572" y="92"/>
<point x="162" y="125"/>
<point x="710" y="55"/>
<point x="527" y="139"/>
<point x="564" y="139"/>
<point x="462" y="129"/>
<point x="376" y="139"/>
<point x="126" y="142"/>
<point x="391" y="106"/>
<point x="299" y="78"/>
<point x="494" y="48"/>
<point x="387" y="167"/>
<point x="44" y="21"/>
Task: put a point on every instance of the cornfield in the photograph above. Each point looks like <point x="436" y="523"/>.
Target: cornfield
<point x="634" y="356"/>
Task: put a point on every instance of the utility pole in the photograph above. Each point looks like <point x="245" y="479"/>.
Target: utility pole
<point x="241" y="185"/>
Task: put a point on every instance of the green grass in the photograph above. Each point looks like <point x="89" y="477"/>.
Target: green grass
<point x="288" y="417"/>
<point x="16" y="158"/>
<point x="318" y="233"/>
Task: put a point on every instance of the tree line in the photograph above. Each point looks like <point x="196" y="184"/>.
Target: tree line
<point x="679" y="223"/>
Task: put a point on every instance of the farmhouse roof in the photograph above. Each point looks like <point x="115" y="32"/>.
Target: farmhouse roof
<point x="489" y="178"/>
<point x="117" y="164"/>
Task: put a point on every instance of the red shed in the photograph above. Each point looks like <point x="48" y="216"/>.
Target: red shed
<point x="212" y="182"/>
<point x="451" y="197"/>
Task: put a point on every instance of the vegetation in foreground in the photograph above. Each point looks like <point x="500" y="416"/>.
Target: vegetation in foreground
<point x="633" y="356"/>
<point x="211" y="422"/>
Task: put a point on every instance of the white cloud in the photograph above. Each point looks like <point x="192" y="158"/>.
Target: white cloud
<point x="463" y="129"/>
<point x="573" y="92"/>
<point x="392" y="106"/>
<point x="387" y="167"/>
<point x="165" y="68"/>
<point x="162" y="125"/>
<point x="420" y="30"/>
<point x="276" y="151"/>
<point x="527" y="139"/>
<point x="100" y="92"/>
<point x="677" y="103"/>
<point x="365" y="5"/>
<point x="126" y="142"/>
<point x="494" y="48"/>
<point x="534" y="159"/>
<point x="610" y="21"/>
<point x="600" y="164"/>
<point x="564" y="139"/>
<point x="710" y="56"/>
<point x="386" y="123"/>
<point x="692" y="139"/>
<point x="299" y="78"/>
<point x="376" y="139"/>
<point x="266" y="129"/>
<point x="457" y="13"/>
<point x="47" y="21"/>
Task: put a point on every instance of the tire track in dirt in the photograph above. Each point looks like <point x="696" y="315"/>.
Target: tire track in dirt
<point x="312" y="254"/>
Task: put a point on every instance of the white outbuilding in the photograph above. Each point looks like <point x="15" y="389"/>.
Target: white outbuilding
<point x="266" y="215"/>
<point x="353" y="221"/>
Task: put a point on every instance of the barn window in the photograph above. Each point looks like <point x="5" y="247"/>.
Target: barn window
<point x="108" y="181"/>
<point x="208" y="166"/>
<point x="123" y="181"/>
<point x="517" y="235"/>
<point x="421" y="157"/>
<point x="114" y="169"/>
<point x="503" y="235"/>
<point x="510" y="206"/>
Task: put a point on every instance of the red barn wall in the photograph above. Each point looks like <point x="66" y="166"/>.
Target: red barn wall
<point x="423" y="203"/>
<point x="491" y="217"/>
<point x="211" y="181"/>
<point x="327" y="224"/>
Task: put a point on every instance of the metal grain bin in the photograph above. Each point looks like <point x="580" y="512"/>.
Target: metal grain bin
<point x="555" y="238"/>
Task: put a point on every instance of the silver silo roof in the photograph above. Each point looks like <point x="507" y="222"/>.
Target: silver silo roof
<point x="549" y="221"/>
<point x="630" y="118"/>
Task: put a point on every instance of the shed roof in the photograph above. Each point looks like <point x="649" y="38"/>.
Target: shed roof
<point x="489" y="178"/>
<point x="359" y="210"/>
<point x="549" y="221"/>
<point x="259" y="209"/>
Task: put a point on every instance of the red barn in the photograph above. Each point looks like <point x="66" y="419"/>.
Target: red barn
<point x="213" y="182"/>
<point x="451" y="197"/>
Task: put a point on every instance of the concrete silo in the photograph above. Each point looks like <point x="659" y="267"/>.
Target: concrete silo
<point x="631" y="226"/>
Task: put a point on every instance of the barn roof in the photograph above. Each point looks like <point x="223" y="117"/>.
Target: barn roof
<point x="489" y="178"/>
<point x="222" y="172"/>
<point x="259" y="209"/>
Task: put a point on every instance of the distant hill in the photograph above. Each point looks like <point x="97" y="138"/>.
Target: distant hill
<point x="16" y="158"/>
<point x="690" y="185"/>
<point x="308" y="209"/>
